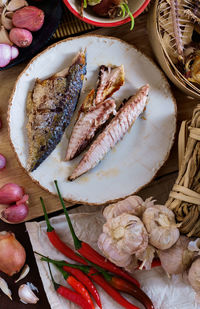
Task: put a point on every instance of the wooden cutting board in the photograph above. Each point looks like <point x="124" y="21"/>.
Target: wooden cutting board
<point x="15" y="173"/>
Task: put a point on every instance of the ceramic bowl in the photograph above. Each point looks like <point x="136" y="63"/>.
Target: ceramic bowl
<point x="136" y="7"/>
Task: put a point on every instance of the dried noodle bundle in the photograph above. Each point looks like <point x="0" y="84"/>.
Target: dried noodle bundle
<point x="184" y="198"/>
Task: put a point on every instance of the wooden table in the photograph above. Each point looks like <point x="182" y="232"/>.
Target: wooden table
<point x="159" y="188"/>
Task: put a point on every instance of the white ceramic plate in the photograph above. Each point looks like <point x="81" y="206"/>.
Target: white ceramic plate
<point x="135" y="160"/>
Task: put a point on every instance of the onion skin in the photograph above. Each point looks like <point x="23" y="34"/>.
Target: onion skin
<point x="15" y="213"/>
<point x="21" y="37"/>
<point x="29" y="17"/>
<point x="102" y="9"/>
<point x="12" y="254"/>
<point x="11" y="193"/>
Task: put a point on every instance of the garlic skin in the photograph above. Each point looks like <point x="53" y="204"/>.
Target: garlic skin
<point x="178" y="258"/>
<point x="146" y="257"/>
<point x="161" y="226"/>
<point x="26" y="295"/>
<point x="194" y="246"/>
<point x="123" y="236"/>
<point x="194" y="277"/>
<point x="132" y="205"/>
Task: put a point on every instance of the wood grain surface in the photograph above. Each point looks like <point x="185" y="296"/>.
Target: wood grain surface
<point x="13" y="171"/>
<point x="159" y="188"/>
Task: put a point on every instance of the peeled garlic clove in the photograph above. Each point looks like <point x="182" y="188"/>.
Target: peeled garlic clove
<point x="4" y="288"/>
<point x="24" y="273"/>
<point x="4" y="37"/>
<point x="26" y="295"/>
<point x="194" y="246"/>
<point x="6" y="19"/>
<point x="15" y="5"/>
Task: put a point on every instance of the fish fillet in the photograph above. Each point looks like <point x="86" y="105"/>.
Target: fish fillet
<point x="117" y="128"/>
<point x="92" y="115"/>
<point x="50" y="106"/>
<point x="86" y="126"/>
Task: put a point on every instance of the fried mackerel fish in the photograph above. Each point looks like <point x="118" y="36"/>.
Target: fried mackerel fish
<point x="96" y="109"/>
<point x="50" y="106"/>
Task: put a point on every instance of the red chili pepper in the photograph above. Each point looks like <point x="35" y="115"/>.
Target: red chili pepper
<point x="57" y="243"/>
<point x="94" y="275"/>
<point x="70" y="295"/>
<point x="86" y="281"/>
<point x="89" y="253"/>
<point x="68" y="252"/>
<point x="76" y="285"/>
<point x="125" y="286"/>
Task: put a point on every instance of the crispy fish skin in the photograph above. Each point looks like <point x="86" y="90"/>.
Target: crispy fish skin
<point x="50" y="107"/>
<point x="110" y="79"/>
<point x="117" y="128"/>
<point x="86" y="126"/>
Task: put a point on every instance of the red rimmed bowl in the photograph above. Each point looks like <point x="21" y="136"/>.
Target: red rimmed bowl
<point x="136" y="7"/>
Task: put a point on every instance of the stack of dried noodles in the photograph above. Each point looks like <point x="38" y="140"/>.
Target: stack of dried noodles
<point x="184" y="198"/>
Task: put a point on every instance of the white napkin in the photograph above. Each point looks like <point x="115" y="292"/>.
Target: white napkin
<point x="165" y="293"/>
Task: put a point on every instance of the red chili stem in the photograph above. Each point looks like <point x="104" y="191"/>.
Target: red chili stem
<point x="89" y="253"/>
<point x="125" y="286"/>
<point x="56" y="242"/>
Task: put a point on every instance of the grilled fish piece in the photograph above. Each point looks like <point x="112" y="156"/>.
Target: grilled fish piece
<point x="86" y="126"/>
<point x="50" y="106"/>
<point x="117" y="128"/>
<point x="92" y="115"/>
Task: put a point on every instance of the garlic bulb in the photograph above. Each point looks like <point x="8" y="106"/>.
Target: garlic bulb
<point x="161" y="226"/>
<point x="123" y="236"/>
<point x="133" y="205"/>
<point x="178" y="258"/>
<point x="194" y="277"/>
<point x="146" y="257"/>
<point x="26" y="295"/>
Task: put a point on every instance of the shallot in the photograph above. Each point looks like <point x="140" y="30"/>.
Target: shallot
<point x="12" y="254"/>
<point x="7" y="53"/>
<point x="11" y="193"/>
<point x="2" y="161"/>
<point x="21" y="37"/>
<point x="29" y="17"/>
<point x="15" y="213"/>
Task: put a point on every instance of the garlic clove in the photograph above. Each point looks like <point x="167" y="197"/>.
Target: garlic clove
<point x="4" y="37"/>
<point x="26" y="295"/>
<point x="24" y="273"/>
<point x="4" y="288"/>
<point x="6" y="19"/>
<point x="194" y="246"/>
<point x="15" y="5"/>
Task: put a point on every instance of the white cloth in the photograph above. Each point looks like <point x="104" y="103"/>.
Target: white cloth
<point x="165" y="293"/>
